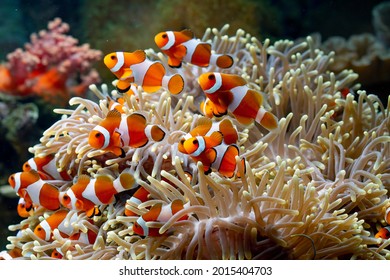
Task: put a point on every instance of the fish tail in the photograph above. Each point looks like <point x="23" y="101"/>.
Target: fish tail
<point x="221" y="60"/>
<point x="174" y="83"/>
<point x="266" y="119"/>
<point x="154" y="133"/>
<point x="125" y="181"/>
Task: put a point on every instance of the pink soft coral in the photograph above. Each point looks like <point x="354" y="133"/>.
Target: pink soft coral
<point x="52" y="66"/>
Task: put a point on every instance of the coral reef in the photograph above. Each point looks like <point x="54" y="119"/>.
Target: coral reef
<point x="52" y="66"/>
<point x="315" y="188"/>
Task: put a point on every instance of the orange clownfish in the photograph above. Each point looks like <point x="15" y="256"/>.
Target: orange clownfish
<point x="22" y="210"/>
<point x="383" y="233"/>
<point x="44" y="229"/>
<point x="88" y="237"/>
<point x="119" y="130"/>
<point x="88" y="193"/>
<point x="46" y="167"/>
<point x="220" y="157"/>
<point x="34" y="190"/>
<point x="158" y="213"/>
<point x="229" y="92"/>
<point x="205" y="127"/>
<point x="135" y="67"/>
<point x="182" y="46"/>
<point x="141" y="195"/>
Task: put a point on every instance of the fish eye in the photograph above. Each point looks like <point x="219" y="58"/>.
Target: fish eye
<point x="97" y="135"/>
<point x="12" y="178"/>
<point x="195" y="142"/>
<point x="164" y="36"/>
<point x="66" y="197"/>
<point x="39" y="228"/>
<point x="113" y="57"/>
<point x="211" y="77"/>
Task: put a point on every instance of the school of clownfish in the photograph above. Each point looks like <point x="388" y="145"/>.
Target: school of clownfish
<point x="213" y="143"/>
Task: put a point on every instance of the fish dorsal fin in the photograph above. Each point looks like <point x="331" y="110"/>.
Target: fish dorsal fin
<point x="203" y="126"/>
<point x="188" y="33"/>
<point x="83" y="178"/>
<point x="214" y="139"/>
<point x="139" y="56"/>
<point x="230" y="135"/>
<point x="113" y="114"/>
<point x="230" y="81"/>
<point x="153" y="213"/>
<point x="137" y="119"/>
<point x="104" y="178"/>
<point x="203" y="121"/>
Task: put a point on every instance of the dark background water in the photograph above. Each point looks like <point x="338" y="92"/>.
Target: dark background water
<point x="128" y="25"/>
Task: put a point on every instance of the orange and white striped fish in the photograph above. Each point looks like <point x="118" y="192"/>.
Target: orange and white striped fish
<point x="182" y="46"/>
<point x="47" y="168"/>
<point x="135" y="67"/>
<point x="158" y="213"/>
<point x="88" y="193"/>
<point x="219" y="157"/>
<point x="88" y="237"/>
<point x="34" y="190"/>
<point x="45" y="228"/>
<point x="119" y="130"/>
<point x="205" y="127"/>
<point x="383" y="233"/>
<point x="22" y="210"/>
<point x="120" y="101"/>
<point x="141" y="195"/>
<point x="229" y="92"/>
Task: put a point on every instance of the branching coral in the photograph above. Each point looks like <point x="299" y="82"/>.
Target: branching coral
<point x="52" y="66"/>
<point x="315" y="188"/>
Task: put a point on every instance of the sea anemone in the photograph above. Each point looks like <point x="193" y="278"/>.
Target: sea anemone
<point x="314" y="188"/>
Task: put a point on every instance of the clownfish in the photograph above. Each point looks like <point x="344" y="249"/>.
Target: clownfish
<point x="135" y="67"/>
<point x="119" y="130"/>
<point x="182" y="46"/>
<point x="34" y="190"/>
<point x="141" y="195"/>
<point x="22" y="210"/>
<point x="219" y="157"/>
<point x="44" y="229"/>
<point x="158" y="213"/>
<point x="88" y="193"/>
<point x="205" y="127"/>
<point x="88" y="237"/>
<point x="383" y="233"/>
<point x="46" y="167"/>
<point x="229" y="92"/>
